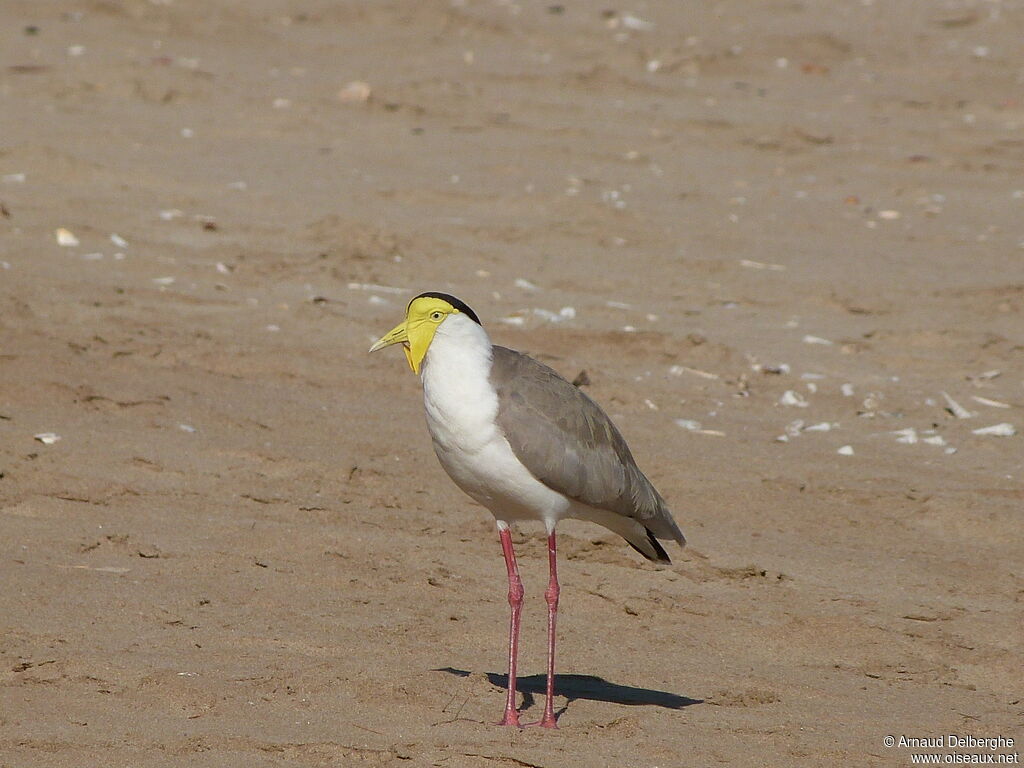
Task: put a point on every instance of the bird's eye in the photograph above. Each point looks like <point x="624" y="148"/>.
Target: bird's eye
<point x="436" y="315"/>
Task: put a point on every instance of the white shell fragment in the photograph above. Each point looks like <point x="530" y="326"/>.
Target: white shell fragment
<point x="635" y="23"/>
<point x="846" y="450"/>
<point x="809" y="339"/>
<point x="997" y="430"/>
<point x="955" y="408"/>
<point x="789" y="397"/>
<point x="761" y="265"/>
<point x="847" y="390"/>
<point x="889" y="215"/>
<point x="119" y="241"/>
<point x="692" y="425"/>
<point x="47" y="438"/>
<point x="526" y="285"/>
<point x="355" y="92"/>
<point x="821" y="426"/>
<point x="66" y="238"/>
<point x="987" y="375"/>
<point x="375" y="287"/>
<point x="992" y="403"/>
<point x="797" y="427"/>
<point x="679" y="370"/>
<point x="934" y="440"/>
<point x="163" y="280"/>
<point x="186" y="428"/>
<point x="906" y="436"/>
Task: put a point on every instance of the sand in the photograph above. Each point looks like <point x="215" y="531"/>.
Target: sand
<point x="772" y="234"/>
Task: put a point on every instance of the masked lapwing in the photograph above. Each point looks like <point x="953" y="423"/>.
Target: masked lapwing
<point x="528" y="445"/>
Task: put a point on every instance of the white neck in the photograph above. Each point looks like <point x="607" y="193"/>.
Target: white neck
<point x="461" y="404"/>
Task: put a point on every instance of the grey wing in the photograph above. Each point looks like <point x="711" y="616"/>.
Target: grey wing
<point x="568" y="443"/>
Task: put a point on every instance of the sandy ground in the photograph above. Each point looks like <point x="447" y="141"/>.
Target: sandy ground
<point x="242" y="551"/>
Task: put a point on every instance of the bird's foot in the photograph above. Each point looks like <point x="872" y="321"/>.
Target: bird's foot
<point x="511" y="718"/>
<point x="548" y="721"/>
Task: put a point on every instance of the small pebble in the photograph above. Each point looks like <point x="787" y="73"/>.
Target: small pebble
<point x="66" y="238"/>
<point x="846" y="450"/>
<point x="47" y="438"/>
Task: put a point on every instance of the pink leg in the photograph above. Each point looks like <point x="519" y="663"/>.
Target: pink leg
<point x="551" y="596"/>
<point x="515" y="601"/>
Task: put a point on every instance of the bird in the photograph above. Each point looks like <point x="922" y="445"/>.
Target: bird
<point x="527" y="445"/>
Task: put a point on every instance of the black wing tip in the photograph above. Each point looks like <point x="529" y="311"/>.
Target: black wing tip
<point x="660" y="555"/>
<point x="459" y="304"/>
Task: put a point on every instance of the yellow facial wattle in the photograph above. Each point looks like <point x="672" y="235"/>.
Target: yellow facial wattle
<point x="416" y="332"/>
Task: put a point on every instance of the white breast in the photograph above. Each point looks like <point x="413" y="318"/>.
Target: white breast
<point x="461" y="406"/>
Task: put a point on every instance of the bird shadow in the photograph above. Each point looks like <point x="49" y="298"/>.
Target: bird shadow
<point x="589" y="687"/>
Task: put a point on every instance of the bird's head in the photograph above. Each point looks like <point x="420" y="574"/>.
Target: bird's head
<point x="423" y="317"/>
